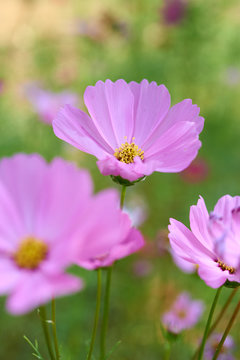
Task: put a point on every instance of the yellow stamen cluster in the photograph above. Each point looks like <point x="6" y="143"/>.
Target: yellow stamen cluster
<point x="181" y="314"/>
<point x="224" y="267"/>
<point x="127" y="152"/>
<point x="31" y="252"/>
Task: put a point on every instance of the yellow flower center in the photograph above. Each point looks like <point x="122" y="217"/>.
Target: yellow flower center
<point x="224" y="267"/>
<point x="31" y="252"/>
<point x="182" y="314"/>
<point x="127" y="152"/>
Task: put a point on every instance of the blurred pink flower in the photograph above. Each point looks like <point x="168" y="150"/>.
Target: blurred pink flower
<point x="196" y="172"/>
<point x="184" y="314"/>
<point x="173" y="11"/>
<point x="132" y="130"/>
<point x="50" y="220"/>
<point x="46" y="104"/>
<point x="36" y="231"/>
<point x="106" y="234"/>
<point x="142" y="268"/>
<point x="213" y="242"/>
<point x="212" y="344"/>
<point x="1" y="86"/>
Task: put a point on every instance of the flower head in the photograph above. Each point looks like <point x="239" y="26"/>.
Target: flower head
<point x="105" y="234"/>
<point x="184" y="314"/>
<point x="196" y="172"/>
<point x="174" y="11"/>
<point x="36" y="232"/>
<point x="1" y="86"/>
<point x="212" y="344"/>
<point x="46" y="104"/>
<point x="213" y="242"/>
<point x="132" y="130"/>
<point x="50" y="220"/>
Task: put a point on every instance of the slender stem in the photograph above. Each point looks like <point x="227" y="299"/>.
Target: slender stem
<point x="200" y="355"/>
<point x="43" y="318"/>
<point x="98" y="303"/>
<point x="105" y="314"/>
<point x="167" y="351"/>
<point x="55" y="329"/>
<point x="225" y="334"/>
<point x="221" y="314"/>
<point x="104" y="325"/>
<point x="123" y="193"/>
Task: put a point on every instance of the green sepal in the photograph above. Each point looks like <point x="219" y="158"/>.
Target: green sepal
<point x="168" y="335"/>
<point x="172" y="337"/>
<point x="231" y="284"/>
<point x="119" y="180"/>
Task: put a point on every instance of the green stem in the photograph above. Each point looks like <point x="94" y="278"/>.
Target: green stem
<point x="43" y="318"/>
<point x="104" y="325"/>
<point x="98" y="303"/>
<point x="54" y="328"/>
<point x="105" y="314"/>
<point x="225" y="334"/>
<point x="167" y="351"/>
<point x="123" y="194"/>
<point x="221" y="314"/>
<point x="200" y="355"/>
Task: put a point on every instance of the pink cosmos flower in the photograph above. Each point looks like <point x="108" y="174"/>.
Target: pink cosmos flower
<point x="211" y="347"/>
<point x="1" y="86"/>
<point x="46" y="104"/>
<point x="174" y="11"/>
<point x="49" y="219"/>
<point x="132" y="130"/>
<point x="196" y="172"/>
<point x="213" y="242"/>
<point x="142" y="268"/>
<point x="105" y="233"/>
<point x="184" y="314"/>
<point x="36" y="231"/>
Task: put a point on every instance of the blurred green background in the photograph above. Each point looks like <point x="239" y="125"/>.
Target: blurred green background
<point x="70" y="44"/>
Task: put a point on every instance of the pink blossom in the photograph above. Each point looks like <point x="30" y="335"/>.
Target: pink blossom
<point x="174" y="11"/>
<point x="106" y="234"/>
<point x="184" y="314"/>
<point x="46" y="103"/>
<point x="196" y="172"/>
<point x="142" y="268"/>
<point x="49" y="220"/>
<point x="1" y="86"/>
<point x="131" y="129"/>
<point x="213" y="242"/>
<point x="212" y="344"/>
<point x="39" y="207"/>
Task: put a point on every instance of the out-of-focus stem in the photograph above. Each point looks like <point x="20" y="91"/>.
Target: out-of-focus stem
<point x="97" y="311"/>
<point x="105" y="314"/>
<point x="201" y="350"/>
<point x="104" y="325"/>
<point x="225" y="334"/>
<point x="54" y="328"/>
<point x="221" y="314"/>
<point x="43" y="318"/>
<point x="123" y="194"/>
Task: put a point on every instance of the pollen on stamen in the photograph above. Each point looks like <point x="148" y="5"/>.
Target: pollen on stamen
<point x="225" y="267"/>
<point x="127" y="152"/>
<point x="30" y="253"/>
